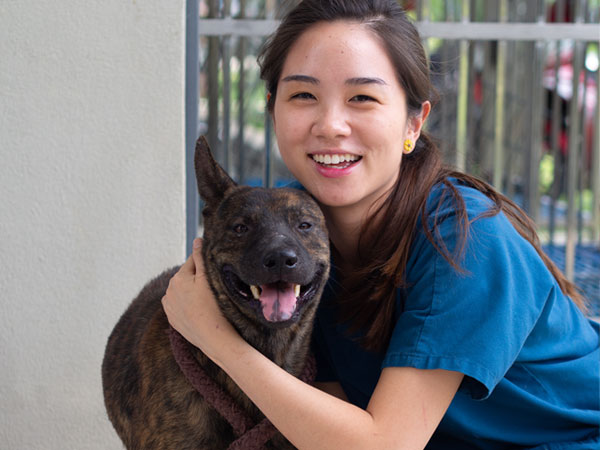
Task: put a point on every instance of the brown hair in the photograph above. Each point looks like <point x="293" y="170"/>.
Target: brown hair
<point x="368" y="295"/>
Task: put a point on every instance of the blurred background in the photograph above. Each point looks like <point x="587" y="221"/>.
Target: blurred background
<point x="518" y="85"/>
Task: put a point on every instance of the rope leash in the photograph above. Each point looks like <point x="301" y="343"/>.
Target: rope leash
<point x="249" y="436"/>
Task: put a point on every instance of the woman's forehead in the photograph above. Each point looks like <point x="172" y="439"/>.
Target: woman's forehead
<point x="339" y="49"/>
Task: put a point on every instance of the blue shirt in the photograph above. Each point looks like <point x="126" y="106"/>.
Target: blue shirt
<point x="530" y="357"/>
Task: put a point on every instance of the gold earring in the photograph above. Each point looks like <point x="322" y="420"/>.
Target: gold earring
<point x="408" y="146"/>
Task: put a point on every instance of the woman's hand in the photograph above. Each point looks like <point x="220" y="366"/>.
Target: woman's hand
<point x="192" y="310"/>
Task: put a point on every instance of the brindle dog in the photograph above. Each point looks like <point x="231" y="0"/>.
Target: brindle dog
<point x="266" y="258"/>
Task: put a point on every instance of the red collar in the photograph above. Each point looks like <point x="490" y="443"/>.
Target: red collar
<point x="250" y="436"/>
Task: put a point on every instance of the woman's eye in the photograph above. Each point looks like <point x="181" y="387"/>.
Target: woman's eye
<point x="303" y="96"/>
<point x="305" y="226"/>
<point x="362" y="98"/>
<point x="240" y="228"/>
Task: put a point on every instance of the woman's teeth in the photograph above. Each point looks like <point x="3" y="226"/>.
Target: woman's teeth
<point x="335" y="159"/>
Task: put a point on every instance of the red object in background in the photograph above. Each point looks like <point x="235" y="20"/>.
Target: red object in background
<point x="564" y="88"/>
<point x="409" y="5"/>
<point x="566" y="12"/>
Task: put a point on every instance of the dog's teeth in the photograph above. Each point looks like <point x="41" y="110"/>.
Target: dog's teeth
<point x="255" y="292"/>
<point x="297" y="290"/>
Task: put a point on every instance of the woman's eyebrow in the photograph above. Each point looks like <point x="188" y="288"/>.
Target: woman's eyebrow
<point x="357" y="81"/>
<point x="365" y="80"/>
<point x="301" y="78"/>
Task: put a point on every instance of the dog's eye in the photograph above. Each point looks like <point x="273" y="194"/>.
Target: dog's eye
<point x="305" y="226"/>
<point x="240" y="228"/>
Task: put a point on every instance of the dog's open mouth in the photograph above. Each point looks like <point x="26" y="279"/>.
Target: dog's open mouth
<point x="279" y="301"/>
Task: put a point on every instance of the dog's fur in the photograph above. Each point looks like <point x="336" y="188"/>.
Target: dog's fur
<point x="252" y="236"/>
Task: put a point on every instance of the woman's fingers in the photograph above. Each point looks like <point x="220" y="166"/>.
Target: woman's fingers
<point x="194" y="261"/>
<point x="197" y="256"/>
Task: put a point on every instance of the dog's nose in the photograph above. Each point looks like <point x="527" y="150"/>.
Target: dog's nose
<point x="280" y="260"/>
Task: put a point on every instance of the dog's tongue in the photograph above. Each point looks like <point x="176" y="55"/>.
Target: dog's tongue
<point x="278" y="301"/>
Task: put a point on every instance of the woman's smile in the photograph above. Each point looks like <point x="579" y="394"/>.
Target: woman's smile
<point x="334" y="165"/>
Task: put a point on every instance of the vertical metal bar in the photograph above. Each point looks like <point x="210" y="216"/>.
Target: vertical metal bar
<point x="191" y="122"/>
<point x="268" y="166"/>
<point x="446" y="92"/>
<point x="537" y="113"/>
<point x="573" y="156"/>
<point x="423" y="16"/>
<point x="489" y="83"/>
<point x="226" y="65"/>
<point x="582" y="169"/>
<point x="270" y="9"/>
<point x="463" y="95"/>
<point x="242" y="48"/>
<point x="425" y="10"/>
<point x="213" y="83"/>
<point x="557" y="182"/>
<point x="498" y="169"/>
<point x="595" y="168"/>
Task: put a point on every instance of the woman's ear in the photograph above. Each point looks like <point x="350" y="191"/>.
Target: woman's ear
<point x="415" y="122"/>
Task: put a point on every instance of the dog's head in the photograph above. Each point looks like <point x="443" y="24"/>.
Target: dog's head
<point x="266" y="251"/>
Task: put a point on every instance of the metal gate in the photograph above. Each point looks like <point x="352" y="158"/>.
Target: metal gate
<point x="518" y="81"/>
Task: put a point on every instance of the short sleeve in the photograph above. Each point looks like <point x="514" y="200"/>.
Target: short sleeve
<point x="475" y="321"/>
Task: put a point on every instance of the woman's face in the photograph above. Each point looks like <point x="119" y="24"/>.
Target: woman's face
<point x="340" y="115"/>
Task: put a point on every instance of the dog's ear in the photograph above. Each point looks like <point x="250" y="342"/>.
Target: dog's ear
<point x="212" y="180"/>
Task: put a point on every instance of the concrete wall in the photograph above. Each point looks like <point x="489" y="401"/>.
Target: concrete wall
<point x="91" y="199"/>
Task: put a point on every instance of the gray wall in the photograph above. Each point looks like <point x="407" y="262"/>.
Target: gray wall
<point x="92" y="199"/>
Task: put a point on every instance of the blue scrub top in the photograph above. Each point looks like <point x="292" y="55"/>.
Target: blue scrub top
<point x="530" y="357"/>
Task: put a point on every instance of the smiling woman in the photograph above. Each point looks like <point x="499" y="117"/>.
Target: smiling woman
<point x="443" y="323"/>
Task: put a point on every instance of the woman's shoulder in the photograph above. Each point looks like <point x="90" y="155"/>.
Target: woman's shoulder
<point x="448" y="196"/>
<point x="461" y="217"/>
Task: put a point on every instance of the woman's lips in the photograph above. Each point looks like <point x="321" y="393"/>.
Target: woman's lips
<point x="335" y="165"/>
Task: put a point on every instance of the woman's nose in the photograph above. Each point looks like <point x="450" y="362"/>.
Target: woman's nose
<point x="331" y="122"/>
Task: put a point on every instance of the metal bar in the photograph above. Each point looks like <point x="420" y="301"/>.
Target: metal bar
<point x="593" y="16"/>
<point x="426" y="10"/>
<point x="537" y="114"/>
<point x="226" y="102"/>
<point x="491" y="31"/>
<point x="213" y="82"/>
<point x="512" y="111"/>
<point x="463" y="95"/>
<point x="498" y="169"/>
<point x="226" y="69"/>
<point x="483" y="31"/>
<point x="191" y="122"/>
<point x="447" y="119"/>
<point x="242" y="49"/>
<point x="583" y="179"/>
<point x="573" y="157"/>
<point x="238" y="27"/>
<point x="558" y="179"/>
<point x="595" y="169"/>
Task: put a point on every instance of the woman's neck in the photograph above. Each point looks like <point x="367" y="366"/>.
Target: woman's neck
<point x="345" y="225"/>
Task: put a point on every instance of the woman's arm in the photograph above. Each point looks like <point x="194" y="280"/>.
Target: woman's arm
<point x="332" y="388"/>
<point x="404" y="411"/>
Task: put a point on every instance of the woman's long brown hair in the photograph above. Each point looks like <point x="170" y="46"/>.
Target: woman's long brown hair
<point x="367" y="296"/>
